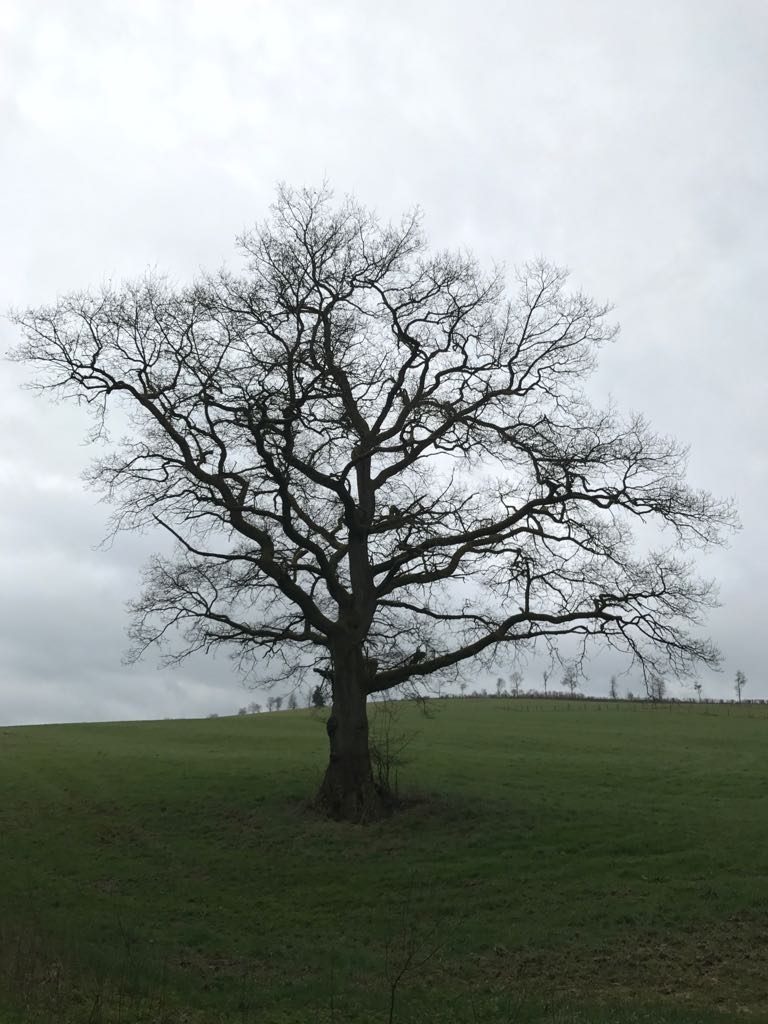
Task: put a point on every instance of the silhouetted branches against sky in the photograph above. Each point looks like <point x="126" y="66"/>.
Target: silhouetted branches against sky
<point x="357" y="430"/>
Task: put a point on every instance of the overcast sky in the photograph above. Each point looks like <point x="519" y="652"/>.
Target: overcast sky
<point x="626" y="140"/>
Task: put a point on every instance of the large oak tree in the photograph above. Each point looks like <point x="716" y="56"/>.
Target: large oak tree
<point x="376" y="462"/>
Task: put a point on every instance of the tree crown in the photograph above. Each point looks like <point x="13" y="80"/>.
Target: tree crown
<point x="357" y="441"/>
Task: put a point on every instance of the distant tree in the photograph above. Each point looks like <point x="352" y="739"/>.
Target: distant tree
<point x="242" y="711"/>
<point x="515" y="680"/>
<point x="318" y="697"/>
<point x="289" y="426"/>
<point x="545" y="676"/>
<point x="271" y="703"/>
<point x="571" y="678"/>
<point x="499" y="686"/>
<point x="741" y="682"/>
<point x="278" y="703"/>
<point x="254" y="708"/>
<point x="463" y="687"/>
<point x="292" y="702"/>
<point x="697" y="687"/>
<point x="213" y="714"/>
<point x="630" y="695"/>
<point x="613" y="690"/>
<point x="656" y="686"/>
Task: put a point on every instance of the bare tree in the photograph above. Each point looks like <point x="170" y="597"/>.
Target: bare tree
<point x="371" y="459"/>
<point x="463" y="687"/>
<point x="388" y="743"/>
<point x="613" y="690"/>
<point x="516" y="679"/>
<point x="571" y="678"/>
<point x="657" y="686"/>
<point x="741" y="682"/>
<point x="292" y="702"/>
<point x="698" y="688"/>
<point x="254" y="708"/>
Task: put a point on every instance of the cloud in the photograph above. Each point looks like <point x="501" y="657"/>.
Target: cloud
<point x="623" y="140"/>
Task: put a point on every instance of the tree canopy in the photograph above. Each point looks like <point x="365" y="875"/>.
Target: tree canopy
<point x="376" y="461"/>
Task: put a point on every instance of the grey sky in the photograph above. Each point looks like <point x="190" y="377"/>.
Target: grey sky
<point x="625" y="140"/>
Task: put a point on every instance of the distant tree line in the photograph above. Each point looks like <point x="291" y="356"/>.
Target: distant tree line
<point x="315" y="698"/>
<point x="569" y="689"/>
<point x="655" y="687"/>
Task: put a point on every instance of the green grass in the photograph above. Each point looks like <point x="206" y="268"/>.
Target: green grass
<point x="566" y="864"/>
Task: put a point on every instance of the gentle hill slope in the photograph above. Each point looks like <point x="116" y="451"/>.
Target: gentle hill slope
<point x="566" y="862"/>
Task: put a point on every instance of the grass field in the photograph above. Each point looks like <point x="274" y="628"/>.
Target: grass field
<point x="563" y="863"/>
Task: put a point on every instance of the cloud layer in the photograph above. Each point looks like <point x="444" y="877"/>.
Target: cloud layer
<point x="627" y="141"/>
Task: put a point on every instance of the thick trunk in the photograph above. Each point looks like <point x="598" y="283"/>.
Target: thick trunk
<point x="348" y="791"/>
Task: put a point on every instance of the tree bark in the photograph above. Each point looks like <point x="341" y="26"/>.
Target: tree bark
<point x="348" y="791"/>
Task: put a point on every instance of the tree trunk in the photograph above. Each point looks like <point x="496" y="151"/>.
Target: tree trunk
<point x="348" y="792"/>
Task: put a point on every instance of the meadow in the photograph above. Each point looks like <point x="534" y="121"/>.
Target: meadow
<point x="567" y="863"/>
